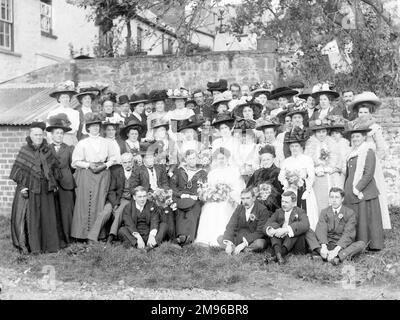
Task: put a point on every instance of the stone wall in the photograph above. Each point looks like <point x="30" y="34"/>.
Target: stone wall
<point x="144" y="73"/>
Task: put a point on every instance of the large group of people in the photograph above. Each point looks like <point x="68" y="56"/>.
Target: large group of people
<point x="245" y="168"/>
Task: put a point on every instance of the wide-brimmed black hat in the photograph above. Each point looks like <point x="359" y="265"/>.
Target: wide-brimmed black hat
<point x="282" y="92"/>
<point x="92" y="118"/>
<point x="255" y="106"/>
<point x="245" y="124"/>
<point x="159" y="122"/>
<point x="90" y="91"/>
<point x="267" y="123"/>
<point x="221" y="85"/>
<point x="336" y="122"/>
<point x="297" y="135"/>
<point x="223" y="118"/>
<point x="194" y="122"/>
<point x="356" y="126"/>
<point x="132" y="124"/>
<point x="138" y="98"/>
<point x="158" y="95"/>
<point x="323" y="88"/>
<point x="116" y="125"/>
<point x="123" y="99"/>
<point x="59" y="121"/>
<point x="67" y="87"/>
<point x="306" y="93"/>
<point x="296" y="109"/>
<point x="319" y="124"/>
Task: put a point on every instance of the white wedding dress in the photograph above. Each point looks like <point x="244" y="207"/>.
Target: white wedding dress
<point x="215" y="215"/>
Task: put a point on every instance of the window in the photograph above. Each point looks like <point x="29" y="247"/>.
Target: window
<point x="6" y="25"/>
<point x="46" y="16"/>
<point x="167" y="44"/>
<point x="139" y="39"/>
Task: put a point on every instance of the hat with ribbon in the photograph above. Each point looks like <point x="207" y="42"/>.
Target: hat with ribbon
<point x="223" y="118"/>
<point x="158" y="95"/>
<point x="263" y="87"/>
<point x="365" y="97"/>
<point x="323" y="88"/>
<point x="87" y="91"/>
<point x="356" y="126"/>
<point x="159" y="122"/>
<point x="267" y="122"/>
<point x="225" y="96"/>
<point x="178" y="94"/>
<point x="59" y="121"/>
<point x="194" y="122"/>
<point x="67" y="87"/>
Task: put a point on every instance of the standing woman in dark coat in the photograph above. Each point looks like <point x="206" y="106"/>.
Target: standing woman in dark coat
<point x="33" y="215"/>
<point x="65" y="195"/>
<point x="361" y="193"/>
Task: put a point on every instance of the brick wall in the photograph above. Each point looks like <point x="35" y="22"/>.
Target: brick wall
<point x="11" y="140"/>
<point x="127" y="75"/>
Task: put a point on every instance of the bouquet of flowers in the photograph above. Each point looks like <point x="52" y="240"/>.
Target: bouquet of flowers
<point x="163" y="198"/>
<point x="295" y="179"/>
<point x="214" y="193"/>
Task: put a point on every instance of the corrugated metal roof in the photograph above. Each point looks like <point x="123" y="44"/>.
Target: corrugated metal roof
<point x="29" y="104"/>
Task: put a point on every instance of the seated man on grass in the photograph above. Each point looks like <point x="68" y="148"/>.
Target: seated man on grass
<point x="287" y="228"/>
<point x="141" y="226"/>
<point x="245" y="228"/>
<point x="335" y="233"/>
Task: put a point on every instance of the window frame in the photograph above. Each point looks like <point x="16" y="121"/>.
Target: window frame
<point x="10" y="24"/>
<point x="50" y="33"/>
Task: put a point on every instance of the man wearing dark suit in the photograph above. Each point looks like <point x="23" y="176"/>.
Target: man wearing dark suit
<point x="335" y="233"/>
<point x="347" y="112"/>
<point x="118" y="197"/>
<point x="150" y="176"/>
<point x="287" y="228"/>
<point x="245" y="228"/>
<point x="141" y="226"/>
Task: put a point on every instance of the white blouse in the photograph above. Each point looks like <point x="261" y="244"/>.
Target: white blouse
<point x="95" y="149"/>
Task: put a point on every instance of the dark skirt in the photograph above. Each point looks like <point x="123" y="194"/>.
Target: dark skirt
<point x="187" y="221"/>
<point x="65" y="201"/>
<point x="369" y="226"/>
<point x="91" y="193"/>
<point x="33" y="221"/>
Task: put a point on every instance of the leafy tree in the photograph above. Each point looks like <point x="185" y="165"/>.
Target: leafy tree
<point x="368" y="33"/>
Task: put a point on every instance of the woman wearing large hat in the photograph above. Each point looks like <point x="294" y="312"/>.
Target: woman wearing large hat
<point x="92" y="157"/>
<point x="342" y="146"/>
<point x="130" y="137"/>
<point x="65" y="196"/>
<point x="223" y="123"/>
<point x="260" y="92"/>
<point x="248" y="110"/>
<point x="179" y="97"/>
<point x="108" y="104"/>
<point x="298" y="174"/>
<point x="283" y="95"/>
<point x="86" y="98"/>
<point x="326" y="160"/>
<point x="63" y="94"/>
<point x="269" y="128"/>
<point x="364" y="106"/>
<point x="220" y="103"/>
<point x="324" y="98"/>
<point x="158" y="97"/>
<point x="138" y="103"/>
<point x="361" y="192"/>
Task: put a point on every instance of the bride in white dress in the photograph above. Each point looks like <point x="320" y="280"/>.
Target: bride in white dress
<point x="215" y="215"/>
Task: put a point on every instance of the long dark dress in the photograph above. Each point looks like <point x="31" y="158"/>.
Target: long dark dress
<point x="33" y="220"/>
<point x="369" y="224"/>
<point x="65" y="195"/>
<point x="187" y="220"/>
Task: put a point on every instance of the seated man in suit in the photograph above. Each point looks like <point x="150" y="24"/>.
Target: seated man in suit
<point x="287" y="228"/>
<point x="245" y="228"/>
<point x="119" y="195"/>
<point x="335" y="233"/>
<point x="141" y="226"/>
<point x="149" y="175"/>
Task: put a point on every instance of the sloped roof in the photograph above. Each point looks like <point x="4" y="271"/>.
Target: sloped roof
<point x="21" y="106"/>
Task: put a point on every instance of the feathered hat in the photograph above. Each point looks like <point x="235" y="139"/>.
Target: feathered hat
<point x="59" y="121"/>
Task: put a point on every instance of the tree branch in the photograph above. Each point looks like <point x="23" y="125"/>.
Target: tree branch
<point x="377" y="6"/>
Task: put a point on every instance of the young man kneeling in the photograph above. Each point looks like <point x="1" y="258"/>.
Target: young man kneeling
<point x="141" y="226"/>
<point x="335" y="233"/>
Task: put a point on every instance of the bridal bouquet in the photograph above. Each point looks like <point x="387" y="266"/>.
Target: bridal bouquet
<point x="214" y="193"/>
<point x="295" y="179"/>
<point x="163" y="198"/>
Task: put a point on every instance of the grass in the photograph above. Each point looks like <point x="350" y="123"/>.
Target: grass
<point x="196" y="267"/>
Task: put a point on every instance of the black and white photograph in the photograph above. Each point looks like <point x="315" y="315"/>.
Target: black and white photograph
<point x="190" y="152"/>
